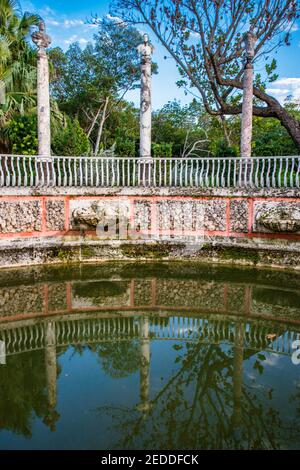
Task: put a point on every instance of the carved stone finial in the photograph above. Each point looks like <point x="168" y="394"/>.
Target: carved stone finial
<point x="40" y="38"/>
<point x="249" y="40"/>
<point x="145" y="49"/>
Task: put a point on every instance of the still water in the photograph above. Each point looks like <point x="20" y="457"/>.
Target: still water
<point x="164" y="356"/>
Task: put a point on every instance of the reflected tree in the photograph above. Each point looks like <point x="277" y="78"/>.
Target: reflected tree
<point x="204" y="405"/>
<point x="23" y="386"/>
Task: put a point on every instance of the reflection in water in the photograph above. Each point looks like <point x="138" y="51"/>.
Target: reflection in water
<point x="168" y="356"/>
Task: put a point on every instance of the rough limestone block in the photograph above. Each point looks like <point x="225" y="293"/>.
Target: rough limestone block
<point x="171" y="215"/>
<point x="263" y="208"/>
<point x="21" y="300"/>
<point x="180" y="293"/>
<point x="24" y="216"/>
<point x="142" y="292"/>
<point x="215" y="215"/>
<point x="142" y="215"/>
<point x="57" y="297"/>
<point x="180" y="215"/>
<point x="236" y="296"/>
<point x="55" y="215"/>
<point x="239" y="214"/>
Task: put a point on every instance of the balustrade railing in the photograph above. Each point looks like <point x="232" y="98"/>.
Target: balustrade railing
<point x="254" y="172"/>
<point x="95" y="330"/>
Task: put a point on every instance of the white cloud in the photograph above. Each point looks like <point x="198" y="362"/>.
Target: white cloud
<point x="53" y="22"/>
<point x="83" y="41"/>
<point x="116" y="19"/>
<point x="278" y="91"/>
<point x="291" y="28"/>
<point x="272" y="360"/>
<point x="28" y="6"/>
<point x="48" y="11"/>
<point x="289" y="81"/>
<point x="284" y="87"/>
<point x="72" y="23"/>
<point x="294" y="28"/>
<point x="76" y="38"/>
<point x="71" y="39"/>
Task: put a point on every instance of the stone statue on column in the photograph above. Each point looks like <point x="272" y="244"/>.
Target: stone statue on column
<point x="145" y="50"/>
<point x="42" y="41"/>
<point x="145" y="171"/>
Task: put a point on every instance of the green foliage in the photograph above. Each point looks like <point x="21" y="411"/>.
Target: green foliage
<point x="22" y="135"/>
<point x="173" y="122"/>
<point x="222" y="149"/>
<point x="71" y="140"/>
<point x="206" y="40"/>
<point x="271" y="138"/>
<point x="82" y="80"/>
<point x="17" y="60"/>
<point x="125" y="148"/>
<point x="122" y="128"/>
<point x="163" y="149"/>
<point x="270" y="69"/>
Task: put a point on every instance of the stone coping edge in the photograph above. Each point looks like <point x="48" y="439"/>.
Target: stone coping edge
<point x="149" y="192"/>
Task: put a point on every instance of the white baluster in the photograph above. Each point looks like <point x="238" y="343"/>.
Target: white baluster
<point x="65" y="181"/>
<point x="135" y="163"/>
<point x="2" y="178"/>
<point x="285" y="172"/>
<point x="297" y="174"/>
<point x="223" y="173"/>
<point x="279" y="173"/>
<point x="262" y="175"/>
<point x="19" y="175"/>
<point x="70" y="172"/>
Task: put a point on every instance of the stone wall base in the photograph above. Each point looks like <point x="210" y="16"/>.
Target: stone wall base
<point x="247" y="227"/>
<point x="225" y="251"/>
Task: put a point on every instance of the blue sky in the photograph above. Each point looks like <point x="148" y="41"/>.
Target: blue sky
<point x="66" y="23"/>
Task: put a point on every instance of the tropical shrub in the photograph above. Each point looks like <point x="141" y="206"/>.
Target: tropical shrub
<point x="22" y="135"/>
<point x="223" y="150"/>
<point x="163" y="149"/>
<point x="70" y="140"/>
<point x="125" y="148"/>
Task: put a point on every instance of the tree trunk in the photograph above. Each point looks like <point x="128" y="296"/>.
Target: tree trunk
<point x="225" y="130"/>
<point x="94" y="122"/>
<point x="291" y="124"/>
<point x="101" y="126"/>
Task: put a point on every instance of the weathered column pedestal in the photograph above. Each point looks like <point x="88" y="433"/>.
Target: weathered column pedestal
<point x="42" y="41"/>
<point x="145" y="162"/>
<point x="247" y="111"/>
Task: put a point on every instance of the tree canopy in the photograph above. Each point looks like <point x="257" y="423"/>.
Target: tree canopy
<point x="17" y="59"/>
<point x="206" y="39"/>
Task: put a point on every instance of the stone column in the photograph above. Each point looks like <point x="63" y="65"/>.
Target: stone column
<point x="145" y="50"/>
<point x="247" y="108"/>
<point x="50" y="362"/>
<point x="145" y="404"/>
<point x="42" y="41"/>
<point x="2" y="353"/>
<point x="238" y="358"/>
